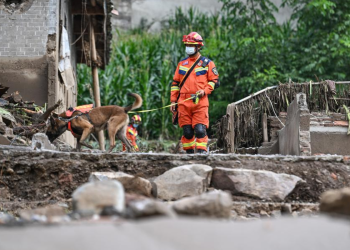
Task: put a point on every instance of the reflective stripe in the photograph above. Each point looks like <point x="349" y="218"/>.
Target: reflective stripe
<point x="183" y="68"/>
<point x="135" y="146"/>
<point x="201" y="69"/>
<point x="189" y="144"/>
<point x="202" y="144"/>
<point x="131" y="132"/>
<point x="175" y="88"/>
<point x="212" y="84"/>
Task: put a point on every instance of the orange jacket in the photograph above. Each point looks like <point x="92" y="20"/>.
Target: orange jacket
<point x="131" y="134"/>
<point x="200" y="78"/>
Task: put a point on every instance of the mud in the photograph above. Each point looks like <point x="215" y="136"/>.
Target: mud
<point x="44" y="176"/>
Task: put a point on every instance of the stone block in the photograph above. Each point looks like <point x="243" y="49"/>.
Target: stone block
<point x="212" y="204"/>
<point x="265" y="185"/>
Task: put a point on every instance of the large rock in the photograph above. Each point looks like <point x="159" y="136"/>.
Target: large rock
<point x="336" y="201"/>
<point x="260" y="184"/>
<point x="91" y="198"/>
<point x="130" y="183"/>
<point x="212" y="204"/>
<point x="183" y="181"/>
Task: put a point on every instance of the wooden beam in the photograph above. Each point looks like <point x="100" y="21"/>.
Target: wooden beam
<point x="96" y="84"/>
<point x="264" y="126"/>
<point x="230" y="136"/>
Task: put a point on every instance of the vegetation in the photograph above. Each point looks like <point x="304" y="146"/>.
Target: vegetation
<point x="250" y="49"/>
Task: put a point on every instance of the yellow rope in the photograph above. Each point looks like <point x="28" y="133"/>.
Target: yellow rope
<point x="167" y="106"/>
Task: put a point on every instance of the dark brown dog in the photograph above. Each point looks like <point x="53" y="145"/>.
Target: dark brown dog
<point x="113" y="118"/>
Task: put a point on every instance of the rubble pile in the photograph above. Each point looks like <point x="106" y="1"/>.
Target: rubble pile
<point x="19" y="119"/>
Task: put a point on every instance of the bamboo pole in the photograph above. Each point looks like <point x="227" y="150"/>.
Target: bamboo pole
<point x="264" y="126"/>
<point x="101" y="138"/>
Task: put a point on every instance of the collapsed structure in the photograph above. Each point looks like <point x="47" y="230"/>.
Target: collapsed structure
<point x="290" y="119"/>
<point x="42" y="41"/>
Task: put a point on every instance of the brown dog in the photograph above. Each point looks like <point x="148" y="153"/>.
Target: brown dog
<point x="113" y="118"/>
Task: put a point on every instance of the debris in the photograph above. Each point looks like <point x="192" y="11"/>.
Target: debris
<point x="336" y="201"/>
<point x="212" y="204"/>
<point x="49" y="214"/>
<point x="130" y="183"/>
<point x="179" y="182"/>
<point x="148" y="207"/>
<point x="255" y="183"/>
<point x="91" y="198"/>
<point x="41" y="142"/>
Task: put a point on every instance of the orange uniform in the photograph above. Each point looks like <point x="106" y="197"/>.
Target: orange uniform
<point x="131" y="134"/>
<point x="203" y="77"/>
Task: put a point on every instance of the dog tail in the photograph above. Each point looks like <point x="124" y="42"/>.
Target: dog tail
<point x="137" y="103"/>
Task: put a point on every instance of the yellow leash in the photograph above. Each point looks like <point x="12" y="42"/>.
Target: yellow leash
<point x="167" y="106"/>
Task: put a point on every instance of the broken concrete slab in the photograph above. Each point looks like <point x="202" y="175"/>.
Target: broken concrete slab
<point x="130" y="183"/>
<point x="41" y="142"/>
<point x="91" y="198"/>
<point x="216" y="204"/>
<point x="336" y="202"/>
<point x="260" y="184"/>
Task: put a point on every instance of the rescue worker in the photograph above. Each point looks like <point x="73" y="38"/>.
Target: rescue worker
<point x="193" y="117"/>
<point x="131" y="131"/>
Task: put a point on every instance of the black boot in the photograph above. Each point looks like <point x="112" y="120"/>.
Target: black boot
<point x="190" y="151"/>
<point x="201" y="151"/>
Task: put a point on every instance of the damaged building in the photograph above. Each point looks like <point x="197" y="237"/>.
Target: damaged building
<point x="290" y="119"/>
<point x="41" y="42"/>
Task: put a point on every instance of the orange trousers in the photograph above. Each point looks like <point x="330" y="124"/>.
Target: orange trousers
<point x="192" y="114"/>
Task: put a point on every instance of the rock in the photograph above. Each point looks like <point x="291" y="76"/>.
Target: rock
<point x="130" y="183"/>
<point x="212" y="204"/>
<point x="147" y="208"/>
<point x="41" y="142"/>
<point x="202" y="170"/>
<point x="306" y="212"/>
<point x="276" y="214"/>
<point x="295" y="214"/>
<point x="265" y="185"/>
<point x="336" y="201"/>
<point x="264" y="214"/>
<point x="178" y="183"/>
<point x="286" y="209"/>
<point x="6" y="218"/>
<point x="50" y="214"/>
<point x="91" y="198"/>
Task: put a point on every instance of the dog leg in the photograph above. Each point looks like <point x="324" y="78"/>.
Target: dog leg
<point x="78" y="146"/>
<point x="114" y="125"/>
<point x="122" y="137"/>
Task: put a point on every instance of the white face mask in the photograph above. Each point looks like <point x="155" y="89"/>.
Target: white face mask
<point x="190" y="50"/>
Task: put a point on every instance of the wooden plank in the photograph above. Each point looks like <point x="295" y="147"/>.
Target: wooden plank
<point x="96" y="84"/>
<point x="264" y="126"/>
<point x="230" y="136"/>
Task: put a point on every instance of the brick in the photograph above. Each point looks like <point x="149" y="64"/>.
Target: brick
<point x="20" y="53"/>
<point x="31" y="53"/>
<point x="5" y="53"/>
<point x="27" y="49"/>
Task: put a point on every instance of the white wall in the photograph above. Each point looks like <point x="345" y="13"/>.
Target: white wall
<point x="132" y="11"/>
